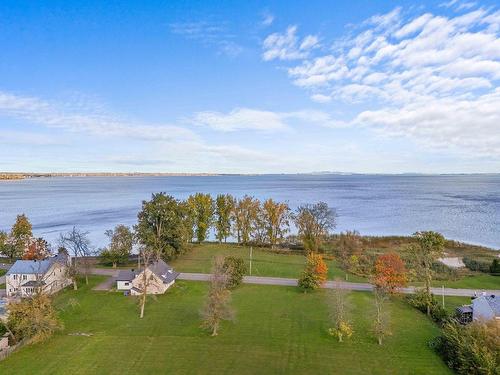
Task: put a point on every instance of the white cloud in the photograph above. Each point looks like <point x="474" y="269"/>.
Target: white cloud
<point x="267" y="18"/>
<point x="430" y="77"/>
<point x="288" y="46"/>
<point x="209" y="34"/>
<point x="71" y="118"/>
<point x="265" y="121"/>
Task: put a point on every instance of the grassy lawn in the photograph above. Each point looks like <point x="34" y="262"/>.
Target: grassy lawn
<point x="277" y="330"/>
<point x="479" y="281"/>
<point x="2" y="272"/>
<point x="264" y="261"/>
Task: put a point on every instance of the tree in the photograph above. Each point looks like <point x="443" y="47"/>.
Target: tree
<point x="19" y="238"/>
<point x="381" y="321"/>
<point x="342" y="328"/>
<point x="430" y="246"/>
<point x="246" y="212"/>
<point x="160" y="225"/>
<point x="6" y="247"/>
<point x="77" y="243"/>
<point x="37" y="249"/>
<point x="33" y="318"/>
<point x="224" y="206"/>
<point x="276" y="217"/>
<point x="314" y="274"/>
<point x="202" y="205"/>
<point x="217" y="306"/>
<point x="472" y="349"/>
<point x="236" y="269"/>
<point x="495" y="267"/>
<point x="314" y="223"/>
<point x="349" y="245"/>
<point x="390" y="273"/>
<point x="147" y="256"/>
<point x="121" y="242"/>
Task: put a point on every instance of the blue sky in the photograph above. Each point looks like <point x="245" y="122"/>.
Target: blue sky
<point x="250" y="87"/>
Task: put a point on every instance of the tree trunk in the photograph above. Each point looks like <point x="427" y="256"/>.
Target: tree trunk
<point x="86" y="278"/>
<point x="216" y="327"/>
<point x="114" y="264"/>
<point x="380" y="340"/>
<point x="143" y="303"/>
<point x="75" y="286"/>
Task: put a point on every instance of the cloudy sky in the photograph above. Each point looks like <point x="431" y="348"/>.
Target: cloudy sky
<point x="250" y="87"/>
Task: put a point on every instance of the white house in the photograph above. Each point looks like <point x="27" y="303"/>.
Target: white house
<point x="483" y="308"/>
<point x="159" y="277"/>
<point x="25" y="276"/>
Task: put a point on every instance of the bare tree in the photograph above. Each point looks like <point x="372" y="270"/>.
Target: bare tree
<point x="341" y="325"/>
<point x="77" y="243"/>
<point x="381" y="322"/>
<point x="314" y="222"/>
<point x="217" y="306"/>
<point x="148" y="256"/>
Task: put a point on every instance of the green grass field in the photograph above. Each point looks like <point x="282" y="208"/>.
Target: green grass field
<point x="2" y="272"/>
<point x="264" y="261"/>
<point x="277" y="330"/>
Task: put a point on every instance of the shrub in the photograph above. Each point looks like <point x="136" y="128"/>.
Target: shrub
<point x="471" y="349"/>
<point x="315" y="273"/>
<point x="476" y="265"/>
<point x="308" y="281"/>
<point x="237" y="270"/>
<point x="495" y="267"/>
<point x="418" y="300"/>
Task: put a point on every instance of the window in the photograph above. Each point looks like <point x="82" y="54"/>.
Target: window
<point x="127" y="284"/>
<point x="14" y="277"/>
<point x="25" y="277"/>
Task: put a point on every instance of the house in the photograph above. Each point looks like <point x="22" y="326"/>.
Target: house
<point x="159" y="277"/>
<point x="483" y="308"/>
<point x="26" y="276"/>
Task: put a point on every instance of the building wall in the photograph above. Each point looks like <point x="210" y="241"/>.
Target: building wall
<point x="155" y="285"/>
<point x="55" y="279"/>
<point x="123" y="285"/>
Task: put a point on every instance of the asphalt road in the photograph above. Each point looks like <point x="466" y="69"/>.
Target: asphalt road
<point x="341" y="284"/>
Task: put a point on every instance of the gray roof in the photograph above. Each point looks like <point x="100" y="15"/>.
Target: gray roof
<point x="126" y="275"/>
<point x="494" y="302"/>
<point x="36" y="267"/>
<point x="32" y="283"/>
<point x="159" y="268"/>
<point x="164" y="271"/>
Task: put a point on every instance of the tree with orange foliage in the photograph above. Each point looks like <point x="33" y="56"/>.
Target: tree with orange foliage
<point x="390" y="273"/>
<point x="37" y="249"/>
<point x="315" y="272"/>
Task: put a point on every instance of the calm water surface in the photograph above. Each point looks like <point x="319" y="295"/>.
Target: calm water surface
<point x="465" y="208"/>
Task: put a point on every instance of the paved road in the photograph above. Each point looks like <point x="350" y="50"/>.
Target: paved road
<point x="331" y="284"/>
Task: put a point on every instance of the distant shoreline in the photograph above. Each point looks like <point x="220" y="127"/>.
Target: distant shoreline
<point x="28" y="175"/>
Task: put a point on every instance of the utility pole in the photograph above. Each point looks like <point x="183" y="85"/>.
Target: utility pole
<point x="250" y="260"/>
<point x="443" y="295"/>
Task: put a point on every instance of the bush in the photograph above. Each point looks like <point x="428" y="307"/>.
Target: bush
<point x="476" y="265"/>
<point x="308" y="281"/>
<point x="438" y="313"/>
<point x="237" y="270"/>
<point x="495" y="267"/>
<point x="471" y="349"/>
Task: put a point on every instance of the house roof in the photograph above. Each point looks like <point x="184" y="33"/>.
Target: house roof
<point x="164" y="271"/>
<point x="36" y="267"/>
<point x="126" y="275"/>
<point x="159" y="268"/>
<point x="33" y="283"/>
<point x="494" y="302"/>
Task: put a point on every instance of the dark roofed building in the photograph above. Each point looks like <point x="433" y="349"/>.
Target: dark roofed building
<point x="162" y="277"/>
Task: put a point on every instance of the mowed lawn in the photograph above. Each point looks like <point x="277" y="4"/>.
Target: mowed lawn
<point x="264" y="261"/>
<point x="277" y="330"/>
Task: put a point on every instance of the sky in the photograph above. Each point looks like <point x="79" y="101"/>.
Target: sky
<point x="250" y="87"/>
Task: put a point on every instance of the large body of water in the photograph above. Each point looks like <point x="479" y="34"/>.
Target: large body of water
<point x="465" y="207"/>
